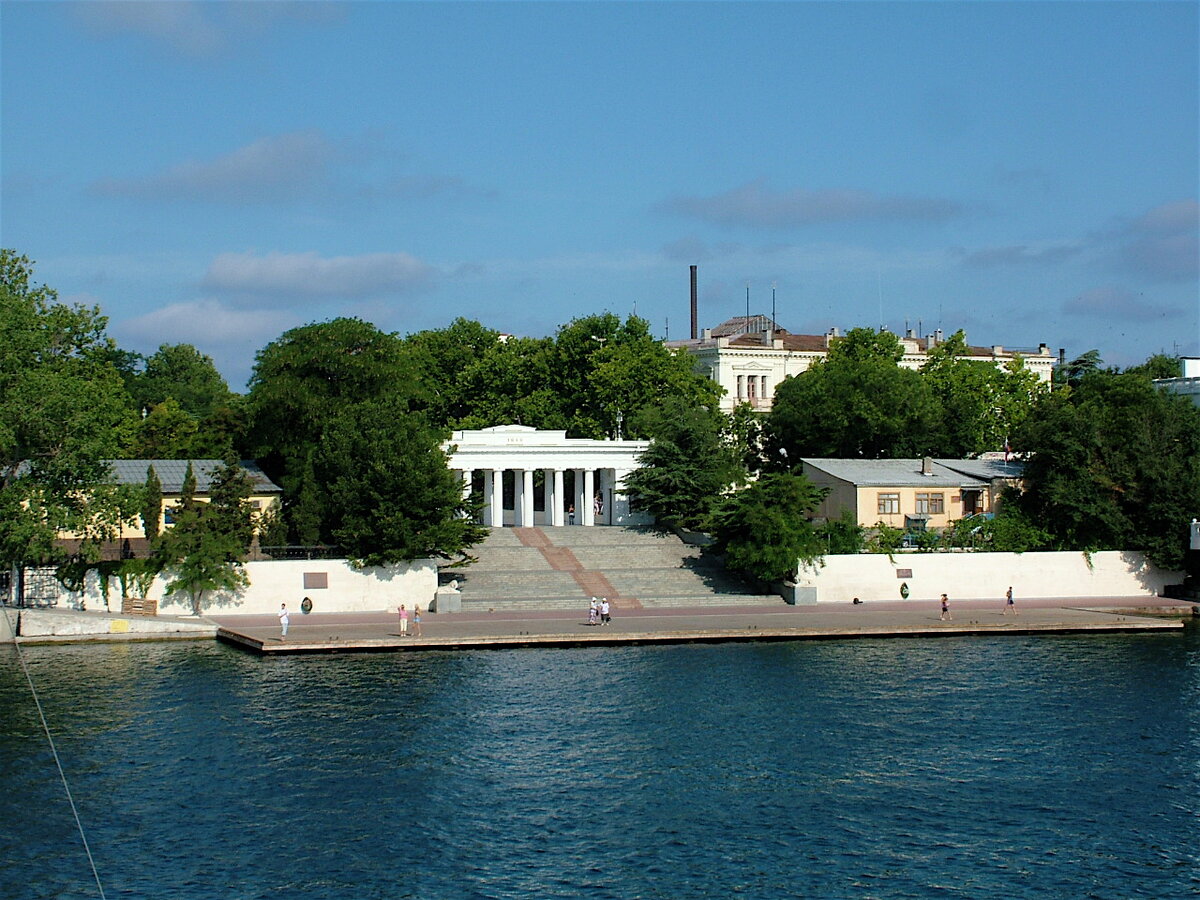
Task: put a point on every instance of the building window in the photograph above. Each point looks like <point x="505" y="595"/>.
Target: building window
<point x="741" y="387"/>
<point x="889" y="504"/>
<point x="931" y="504"/>
<point x="752" y="388"/>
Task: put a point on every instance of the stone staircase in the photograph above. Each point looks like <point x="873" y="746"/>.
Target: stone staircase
<point x="561" y="568"/>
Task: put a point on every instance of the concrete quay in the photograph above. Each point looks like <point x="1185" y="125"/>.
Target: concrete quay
<point x="378" y="632"/>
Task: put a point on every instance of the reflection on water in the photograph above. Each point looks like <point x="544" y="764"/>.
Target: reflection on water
<point x="956" y="767"/>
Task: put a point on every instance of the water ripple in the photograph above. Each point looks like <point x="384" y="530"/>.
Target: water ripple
<point x="975" y="767"/>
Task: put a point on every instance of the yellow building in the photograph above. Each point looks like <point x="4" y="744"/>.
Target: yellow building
<point x="171" y="472"/>
<point x="912" y="494"/>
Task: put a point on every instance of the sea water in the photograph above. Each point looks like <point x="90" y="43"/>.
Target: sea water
<point x="950" y="767"/>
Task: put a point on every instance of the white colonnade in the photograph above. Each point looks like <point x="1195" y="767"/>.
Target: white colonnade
<point x="594" y="469"/>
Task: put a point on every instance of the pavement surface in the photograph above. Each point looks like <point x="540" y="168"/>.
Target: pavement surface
<point x="342" y="632"/>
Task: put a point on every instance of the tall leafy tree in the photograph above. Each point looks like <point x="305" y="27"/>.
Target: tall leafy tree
<point x="187" y="376"/>
<point x="391" y="495"/>
<point x="981" y="404"/>
<point x="765" y="530"/>
<point x="442" y="357"/>
<point x="1113" y="463"/>
<point x="152" y="497"/>
<point x="63" y="412"/>
<point x="856" y="403"/>
<point x="205" y="548"/>
<point x="303" y="381"/>
<point x="688" y="466"/>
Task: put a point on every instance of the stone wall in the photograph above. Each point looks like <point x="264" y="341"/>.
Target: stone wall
<point x="971" y="576"/>
<point x="332" y="585"/>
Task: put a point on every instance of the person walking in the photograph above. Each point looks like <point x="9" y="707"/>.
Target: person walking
<point x="593" y="611"/>
<point x="605" y="618"/>
<point x="417" y="620"/>
<point x="403" y="621"/>
<point x="946" y="609"/>
<point x="283" y="621"/>
<point x="1009" y="606"/>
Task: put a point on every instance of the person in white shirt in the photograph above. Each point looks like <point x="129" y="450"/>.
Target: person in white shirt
<point x="283" y="620"/>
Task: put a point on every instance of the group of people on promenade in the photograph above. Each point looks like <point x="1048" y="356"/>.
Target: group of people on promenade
<point x="416" y="620"/>
<point x="599" y="611"/>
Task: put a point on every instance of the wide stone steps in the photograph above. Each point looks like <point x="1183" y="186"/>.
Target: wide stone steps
<point x="561" y="568"/>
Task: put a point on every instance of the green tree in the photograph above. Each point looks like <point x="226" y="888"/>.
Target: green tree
<point x="856" y="403"/>
<point x="842" y="535"/>
<point x="513" y="383"/>
<point x="303" y="381"/>
<point x="63" y="414"/>
<point x="981" y="404"/>
<point x="764" y="529"/>
<point x="152" y="497"/>
<point x="392" y="496"/>
<point x="1159" y="366"/>
<point x="182" y="373"/>
<point x="688" y="466"/>
<point x="205" y="548"/>
<point x="167" y="432"/>
<point x="1113" y="463"/>
<point x="1081" y="366"/>
<point x="443" y="357"/>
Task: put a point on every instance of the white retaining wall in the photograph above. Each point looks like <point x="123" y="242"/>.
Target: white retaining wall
<point x="974" y="576"/>
<point x="273" y="582"/>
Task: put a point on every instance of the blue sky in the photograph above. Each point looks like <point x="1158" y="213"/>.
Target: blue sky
<point x="218" y="173"/>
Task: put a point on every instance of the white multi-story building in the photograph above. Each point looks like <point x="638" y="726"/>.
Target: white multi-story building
<point x="1189" y="384"/>
<point x="749" y="357"/>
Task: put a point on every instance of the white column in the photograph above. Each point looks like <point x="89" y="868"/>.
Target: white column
<point x="488" y="477"/>
<point x="620" y="513"/>
<point x="526" y="503"/>
<point x="589" y="497"/>
<point x="581" y="497"/>
<point x="552" y="495"/>
<point x="557" y="516"/>
<point x="497" y="501"/>
<point x="466" y="483"/>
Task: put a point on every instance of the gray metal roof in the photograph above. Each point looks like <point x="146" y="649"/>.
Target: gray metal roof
<point x="985" y="468"/>
<point x="893" y="473"/>
<point x="171" y="473"/>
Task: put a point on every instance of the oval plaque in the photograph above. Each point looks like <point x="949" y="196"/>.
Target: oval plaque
<point x="904" y="591"/>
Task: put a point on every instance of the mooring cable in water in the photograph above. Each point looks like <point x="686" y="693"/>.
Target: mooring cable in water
<point x="54" y="751"/>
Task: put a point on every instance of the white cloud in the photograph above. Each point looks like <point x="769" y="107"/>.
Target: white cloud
<point x="310" y="275"/>
<point x="181" y="26"/>
<point x="271" y="168"/>
<point x="230" y="336"/>
<point x="195" y="29"/>
<point x="1018" y="254"/>
<point x="756" y="205"/>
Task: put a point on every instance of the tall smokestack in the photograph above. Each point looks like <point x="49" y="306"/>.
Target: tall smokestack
<point x="695" y="324"/>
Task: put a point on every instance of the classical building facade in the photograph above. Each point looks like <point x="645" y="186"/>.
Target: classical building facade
<point x="749" y="357"/>
<point x="581" y="480"/>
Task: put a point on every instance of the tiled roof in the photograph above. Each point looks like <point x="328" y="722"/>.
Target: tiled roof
<point x="895" y="473"/>
<point x="171" y="473"/>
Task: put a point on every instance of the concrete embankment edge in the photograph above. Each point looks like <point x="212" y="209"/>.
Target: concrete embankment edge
<point x="47" y="626"/>
<point x="273" y="647"/>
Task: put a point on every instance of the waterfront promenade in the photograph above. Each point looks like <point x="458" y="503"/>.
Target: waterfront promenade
<point x="365" y="632"/>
